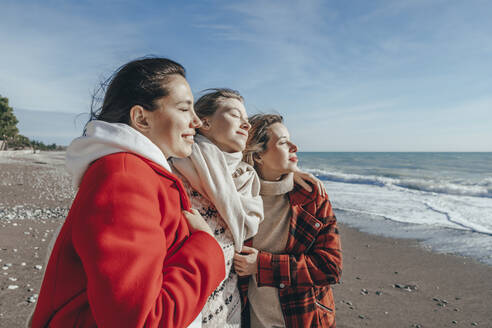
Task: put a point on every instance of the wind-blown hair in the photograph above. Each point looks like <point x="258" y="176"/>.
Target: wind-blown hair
<point x="259" y="135"/>
<point x="139" y="82"/>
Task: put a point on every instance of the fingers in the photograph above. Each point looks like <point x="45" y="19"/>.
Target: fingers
<point x="319" y="184"/>
<point x="192" y="214"/>
<point x="187" y="214"/>
<point x="247" y="250"/>
<point x="241" y="270"/>
<point x="322" y="188"/>
<point x="239" y="260"/>
<point x="239" y="265"/>
<point x="304" y="185"/>
<point x="191" y="211"/>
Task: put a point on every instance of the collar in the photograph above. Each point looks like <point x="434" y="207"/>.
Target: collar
<point x="300" y="196"/>
<point x="275" y="188"/>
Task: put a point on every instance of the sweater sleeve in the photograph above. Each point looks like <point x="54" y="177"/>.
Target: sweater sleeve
<point x="131" y="280"/>
<point x="320" y="264"/>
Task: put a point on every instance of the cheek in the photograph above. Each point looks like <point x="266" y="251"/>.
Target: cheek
<point x="171" y="133"/>
<point x="228" y="126"/>
<point x="276" y="159"/>
<point x="283" y="157"/>
<point x="225" y="130"/>
<point x="180" y="125"/>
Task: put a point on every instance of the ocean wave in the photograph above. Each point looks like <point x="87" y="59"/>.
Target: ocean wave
<point x="482" y="189"/>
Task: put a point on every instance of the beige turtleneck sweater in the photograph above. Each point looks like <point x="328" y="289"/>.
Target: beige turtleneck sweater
<point x="265" y="309"/>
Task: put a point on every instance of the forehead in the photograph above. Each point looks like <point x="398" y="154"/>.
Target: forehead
<point x="228" y="103"/>
<point x="278" y="130"/>
<point x="178" y="88"/>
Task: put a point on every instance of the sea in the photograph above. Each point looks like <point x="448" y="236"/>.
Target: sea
<point x="444" y="200"/>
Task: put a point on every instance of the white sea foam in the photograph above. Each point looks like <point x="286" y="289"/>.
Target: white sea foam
<point x="443" y="199"/>
<point x="480" y="189"/>
<point x="469" y="217"/>
<point x="412" y="206"/>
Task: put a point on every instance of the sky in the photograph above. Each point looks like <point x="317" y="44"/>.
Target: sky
<point x="354" y="75"/>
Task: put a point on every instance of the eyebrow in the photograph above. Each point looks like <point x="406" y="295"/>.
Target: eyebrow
<point x="234" y="108"/>
<point x="188" y="102"/>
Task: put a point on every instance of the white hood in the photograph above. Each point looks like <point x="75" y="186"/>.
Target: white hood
<point x="100" y="139"/>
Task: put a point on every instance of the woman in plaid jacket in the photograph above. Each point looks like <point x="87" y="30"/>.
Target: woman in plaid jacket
<point x="286" y="270"/>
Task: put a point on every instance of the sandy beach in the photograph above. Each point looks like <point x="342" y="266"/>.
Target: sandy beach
<point x="386" y="282"/>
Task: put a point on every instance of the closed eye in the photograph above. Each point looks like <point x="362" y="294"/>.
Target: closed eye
<point x="235" y="113"/>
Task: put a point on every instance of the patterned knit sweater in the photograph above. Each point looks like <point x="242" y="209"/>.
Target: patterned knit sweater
<point x="223" y="308"/>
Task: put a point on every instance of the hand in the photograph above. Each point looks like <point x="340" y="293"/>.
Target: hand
<point x="300" y="177"/>
<point x="196" y="222"/>
<point x="246" y="262"/>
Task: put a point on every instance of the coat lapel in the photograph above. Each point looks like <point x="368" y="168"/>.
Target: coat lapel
<point x="303" y="226"/>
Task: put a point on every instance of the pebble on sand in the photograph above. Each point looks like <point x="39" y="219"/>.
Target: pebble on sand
<point x="408" y="288"/>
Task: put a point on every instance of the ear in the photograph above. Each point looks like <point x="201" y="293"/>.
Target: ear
<point x="257" y="158"/>
<point x="205" y="124"/>
<point x="139" y="118"/>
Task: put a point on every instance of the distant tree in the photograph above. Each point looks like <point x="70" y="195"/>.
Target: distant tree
<point x="39" y="145"/>
<point x="8" y="121"/>
<point x="10" y="133"/>
<point x="20" y="142"/>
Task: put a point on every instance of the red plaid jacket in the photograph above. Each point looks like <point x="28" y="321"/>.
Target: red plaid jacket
<point x="312" y="261"/>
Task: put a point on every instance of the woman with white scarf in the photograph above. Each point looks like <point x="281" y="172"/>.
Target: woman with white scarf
<point x="225" y="191"/>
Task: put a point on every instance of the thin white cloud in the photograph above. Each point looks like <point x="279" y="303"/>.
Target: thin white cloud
<point x="53" y="56"/>
<point x="288" y="38"/>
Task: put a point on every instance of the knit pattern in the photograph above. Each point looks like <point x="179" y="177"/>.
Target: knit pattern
<point x="223" y="307"/>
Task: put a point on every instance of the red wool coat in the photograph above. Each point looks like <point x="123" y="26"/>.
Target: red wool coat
<point x="124" y="256"/>
<point x="311" y="262"/>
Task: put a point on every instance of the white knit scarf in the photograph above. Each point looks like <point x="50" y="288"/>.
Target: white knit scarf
<point x="230" y="184"/>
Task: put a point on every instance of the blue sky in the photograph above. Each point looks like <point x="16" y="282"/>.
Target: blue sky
<point x="347" y="75"/>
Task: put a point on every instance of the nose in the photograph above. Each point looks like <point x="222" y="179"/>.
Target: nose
<point x="245" y="125"/>
<point x="196" y="123"/>
<point x="293" y="148"/>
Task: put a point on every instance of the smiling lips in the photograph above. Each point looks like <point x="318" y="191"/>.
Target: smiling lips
<point x="189" y="137"/>
<point x="293" y="159"/>
<point x="242" y="133"/>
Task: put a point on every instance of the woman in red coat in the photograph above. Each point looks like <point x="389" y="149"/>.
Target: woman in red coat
<point x="288" y="267"/>
<point x="131" y="252"/>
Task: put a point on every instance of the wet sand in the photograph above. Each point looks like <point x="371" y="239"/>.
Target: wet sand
<point x="396" y="283"/>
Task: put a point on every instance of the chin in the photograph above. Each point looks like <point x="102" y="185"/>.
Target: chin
<point x="183" y="152"/>
<point x="237" y="147"/>
<point x="241" y="146"/>
<point x="187" y="152"/>
<point x="292" y="167"/>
